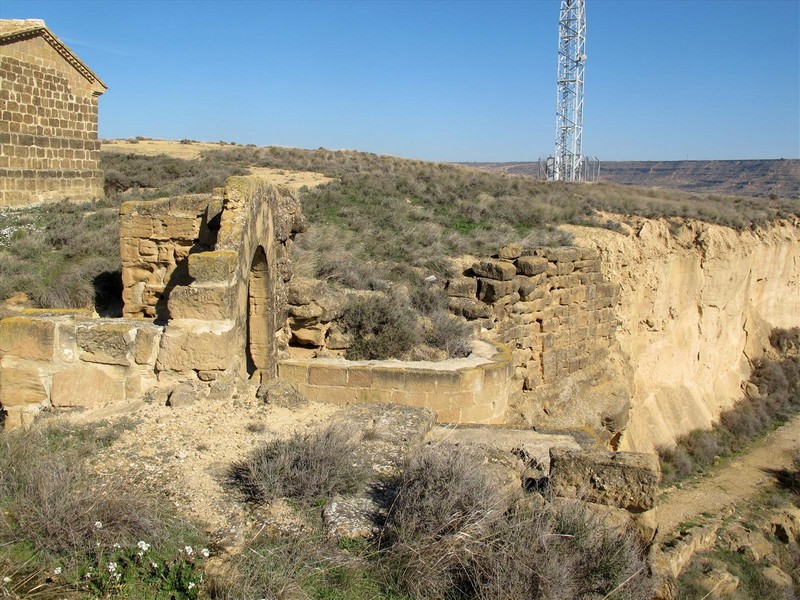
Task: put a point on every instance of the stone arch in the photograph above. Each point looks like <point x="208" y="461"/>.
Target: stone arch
<point x="259" y="347"/>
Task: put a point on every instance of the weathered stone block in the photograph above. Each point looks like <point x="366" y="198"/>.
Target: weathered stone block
<point x="495" y="269"/>
<point x="105" y="343"/>
<point x="205" y="302"/>
<point x="213" y="267"/>
<point x="21" y="386"/>
<point x="306" y="312"/>
<point x="330" y="375"/>
<point x="145" y="349"/>
<point x="531" y="265"/>
<point x="201" y="346"/>
<point x="624" y="479"/>
<point x="470" y="308"/>
<point x="462" y="287"/>
<point x="511" y="251"/>
<point x="491" y="290"/>
<point x="87" y="387"/>
<point x="27" y="338"/>
<point x="303" y="290"/>
<point x="359" y="377"/>
<point x="294" y="373"/>
<point x="310" y="336"/>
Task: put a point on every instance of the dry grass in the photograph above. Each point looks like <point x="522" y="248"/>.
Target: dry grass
<point x="449" y="535"/>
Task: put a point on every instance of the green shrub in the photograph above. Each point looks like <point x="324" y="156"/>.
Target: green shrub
<point x="303" y="467"/>
<point x="381" y="327"/>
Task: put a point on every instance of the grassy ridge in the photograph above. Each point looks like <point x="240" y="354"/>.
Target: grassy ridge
<point x="383" y="219"/>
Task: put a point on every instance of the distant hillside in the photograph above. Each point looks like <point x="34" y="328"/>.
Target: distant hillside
<point x="735" y="177"/>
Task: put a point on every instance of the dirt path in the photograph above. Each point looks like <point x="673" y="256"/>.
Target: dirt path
<point x="735" y="482"/>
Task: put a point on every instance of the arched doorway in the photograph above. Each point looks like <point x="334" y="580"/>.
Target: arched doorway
<point x="260" y="334"/>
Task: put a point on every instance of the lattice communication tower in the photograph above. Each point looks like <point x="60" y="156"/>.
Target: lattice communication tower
<point x="568" y="162"/>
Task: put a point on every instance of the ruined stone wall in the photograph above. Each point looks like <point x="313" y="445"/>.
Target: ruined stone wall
<point x="48" y="132"/>
<point x="66" y="358"/>
<point x="156" y="237"/>
<point x="216" y="266"/>
<point x="555" y="310"/>
<point x="468" y="390"/>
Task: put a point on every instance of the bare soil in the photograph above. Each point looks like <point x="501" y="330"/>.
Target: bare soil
<point x="184" y="453"/>
<point x="731" y="483"/>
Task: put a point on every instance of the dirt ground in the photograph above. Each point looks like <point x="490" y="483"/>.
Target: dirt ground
<point x="184" y="453"/>
<point x="733" y="482"/>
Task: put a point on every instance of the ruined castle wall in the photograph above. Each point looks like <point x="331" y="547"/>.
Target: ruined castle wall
<point x="48" y="132"/>
<point x="216" y="267"/>
<point x="555" y="310"/>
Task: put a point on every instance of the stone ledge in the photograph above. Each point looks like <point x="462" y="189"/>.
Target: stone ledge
<point x="470" y="390"/>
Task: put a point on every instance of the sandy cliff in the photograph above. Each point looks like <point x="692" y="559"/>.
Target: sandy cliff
<point x="697" y="302"/>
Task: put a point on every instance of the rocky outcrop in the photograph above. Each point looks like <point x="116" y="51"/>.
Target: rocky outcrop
<point x="696" y="304"/>
<point x="623" y="479"/>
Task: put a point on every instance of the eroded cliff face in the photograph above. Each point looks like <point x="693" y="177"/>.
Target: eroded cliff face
<point x="697" y="302"/>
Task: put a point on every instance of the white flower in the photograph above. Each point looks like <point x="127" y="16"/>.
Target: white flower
<point x="154" y="565"/>
<point x="140" y="553"/>
<point x="6" y="579"/>
<point x="88" y="575"/>
<point x="98" y="524"/>
<point x="118" y="576"/>
<point x="205" y="552"/>
<point x="112" y="566"/>
<point x="188" y="550"/>
<point x="117" y="546"/>
<point x="191" y="585"/>
<point x="144" y="546"/>
<point x="57" y="571"/>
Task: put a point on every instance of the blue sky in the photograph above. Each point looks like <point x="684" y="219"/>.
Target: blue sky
<point x="451" y="81"/>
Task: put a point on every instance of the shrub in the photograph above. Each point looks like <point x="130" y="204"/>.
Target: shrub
<point x="381" y="326"/>
<point x="778" y="383"/>
<point x="444" y="509"/>
<point x="303" y="467"/>
<point x="449" y="534"/>
<point x="56" y="512"/>
<point x="449" y="333"/>
<point x="563" y="552"/>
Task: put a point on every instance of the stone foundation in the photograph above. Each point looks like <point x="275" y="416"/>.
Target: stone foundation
<point x="469" y="390"/>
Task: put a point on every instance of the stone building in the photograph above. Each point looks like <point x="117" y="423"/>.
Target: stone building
<point x="48" y="131"/>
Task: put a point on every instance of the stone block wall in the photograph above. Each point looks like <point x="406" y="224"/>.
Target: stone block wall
<point x="552" y="306"/>
<point x="156" y="237"/>
<point x="216" y="267"/>
<point x="67" y="358"/>
<point x="471" y="390"/>
<point x="49" y="148"/>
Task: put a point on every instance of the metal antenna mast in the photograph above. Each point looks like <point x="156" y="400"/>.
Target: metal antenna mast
<point x="568" y="159"/>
